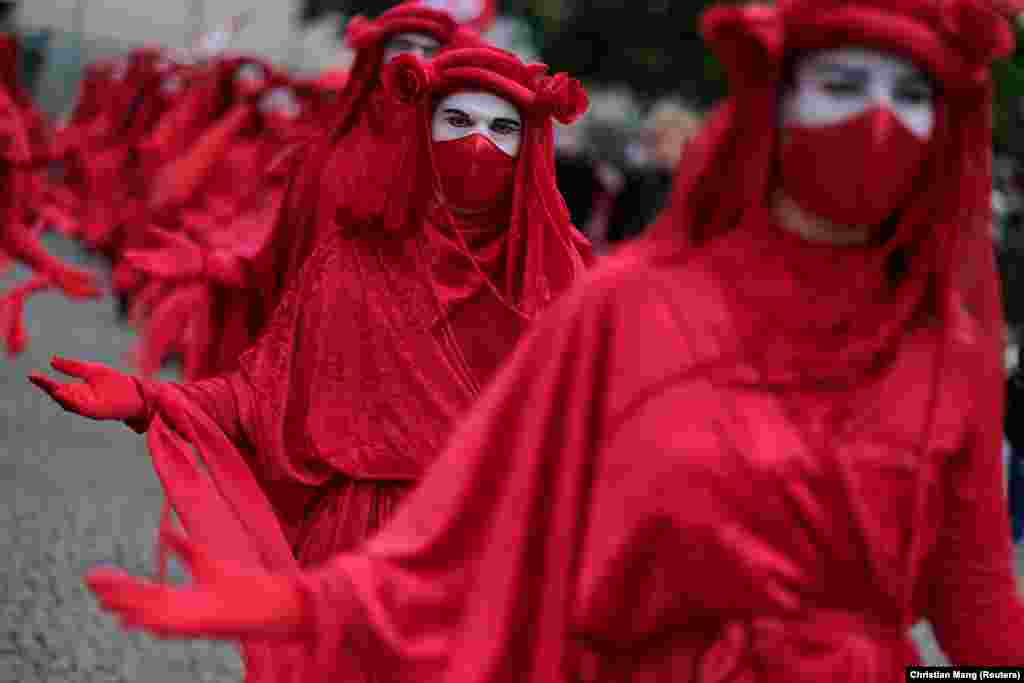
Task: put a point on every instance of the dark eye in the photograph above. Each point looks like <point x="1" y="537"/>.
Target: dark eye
<point x="402" y="46"/>
<point x="458" y="120"/>
<point x="428" y="51"/>
<point x="505" y="127"/>
<point x="842" y="88"/>
<point x="914" y="94"/>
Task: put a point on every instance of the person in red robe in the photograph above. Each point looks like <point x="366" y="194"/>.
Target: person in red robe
<point x="19" y="237"/>
<point x="36" y="124"/>
<point x="196" y="161"/>
<point x="74" y="139"/>
<point x="109" y="200"/>
<point x="351" y="149"/>
<point x="342" y="171"/>
<point x="385" y="337"/>
<point x="758" y="444"/>
<point x="196" y="299"/>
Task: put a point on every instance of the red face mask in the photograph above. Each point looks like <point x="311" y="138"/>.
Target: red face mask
<point x="857" y="172"/>
<point x="475" y="174"/>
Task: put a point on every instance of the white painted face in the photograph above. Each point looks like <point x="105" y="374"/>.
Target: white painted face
<point x="120" y="70"/>
<point x="464" y="113"/>
<point x="464" y="11"/>
<point x="250" y="74"/>
<point x="419" y="44"/>
<point x="280" y="100"/>
<point x="172" y="85"/>
<point x="835" y="85"/>
<point x="214" y="42"/>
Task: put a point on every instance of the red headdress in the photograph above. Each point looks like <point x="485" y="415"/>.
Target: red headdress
<point x="730" y="167"/>
<point x="369" y="38"/>
<point x="209" y="97"/>
<point x="371" y="127"/>
<point x="213" y="114"/>
<point x="543" y="252"/>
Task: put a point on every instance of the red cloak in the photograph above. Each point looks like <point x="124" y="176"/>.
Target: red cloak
<point x="730" y="454"/>
<point x="381" y="342"/>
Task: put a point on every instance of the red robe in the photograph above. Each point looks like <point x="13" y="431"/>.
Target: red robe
<point x="379" y="345"/>
<point x="364" y="324"/>
<point x="634" y="500"/>
<point x="344" y="175"/>
<point x="209" y="322"/>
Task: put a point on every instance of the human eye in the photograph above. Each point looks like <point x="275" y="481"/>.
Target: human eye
<point x="914" y="92"/>
<point x="505" y="127"/>
<point x="839" y="87"/>
<point x="458" y="120"/>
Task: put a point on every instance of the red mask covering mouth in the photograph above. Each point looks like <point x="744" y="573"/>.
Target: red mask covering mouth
<point x="855" y="172"/>
<point x="475" y="174"/>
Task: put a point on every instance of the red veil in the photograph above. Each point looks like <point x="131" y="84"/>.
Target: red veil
<point x="380" y="343"/>
<point x="350" y="162"/>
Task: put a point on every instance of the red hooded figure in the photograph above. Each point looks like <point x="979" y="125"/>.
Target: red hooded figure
<point x="365" y="137"/>
<point x="73" y="142"/>
<point x="108" y="148"/>
<point x="354" y="144"/>
<point x="203" y="155"/>
<point x="385" y="337"/>
<point x="199" y="297"/>
<point x="759" y="444"/>
<point x="19" y="240"/>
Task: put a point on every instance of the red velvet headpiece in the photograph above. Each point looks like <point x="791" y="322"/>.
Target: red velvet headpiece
<point x="730" y="166"/>
<point x="544" y="252"/>
<point x="369" y="38"/>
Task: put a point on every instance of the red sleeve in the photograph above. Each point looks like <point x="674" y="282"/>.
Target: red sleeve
<point x="974" y="605"/>
<point x="223" y="399"/>
<point x="26" y="247"/>
<point x="475" y="578"/>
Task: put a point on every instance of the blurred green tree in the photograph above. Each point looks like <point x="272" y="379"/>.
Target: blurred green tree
<point x="1009" y="108"/>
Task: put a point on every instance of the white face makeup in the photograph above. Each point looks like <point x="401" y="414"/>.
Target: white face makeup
<point x="251" y="74"/>
<point x="172" y="85"/>
<point x="419" y="44"/>
<point x="835" y="85"/>
<point x="120" y="70"/>
<point x="464" y="113"/>
<point x="464" y="11"/>
<point x="280" y="100"/>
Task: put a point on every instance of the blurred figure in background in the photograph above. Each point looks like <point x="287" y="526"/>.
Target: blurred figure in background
<point x="651" y="162"/>
<point x="1014" y="430"/>
<point x="588" y="182"/>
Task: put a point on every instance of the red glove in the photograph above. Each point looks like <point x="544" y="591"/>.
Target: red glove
<point x="225" y="600"/>
<point x="178" y="257"/>
<point x="106" y="393"/>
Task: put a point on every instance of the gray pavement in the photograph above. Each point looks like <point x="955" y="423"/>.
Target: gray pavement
<point x="76" y="493"/>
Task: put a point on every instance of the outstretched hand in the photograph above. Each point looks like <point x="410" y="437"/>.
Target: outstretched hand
<point x="104" y="393"/>
<point x="225" y="601"/>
